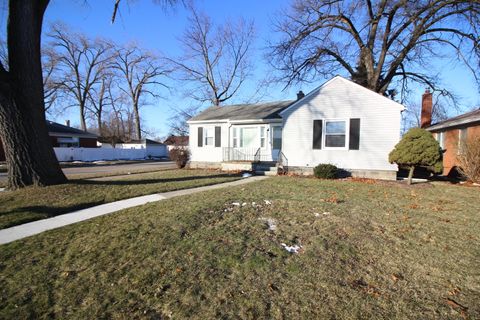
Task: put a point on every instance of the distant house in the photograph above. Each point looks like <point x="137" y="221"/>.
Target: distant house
<point x="340" y="122"/>
<point x="176" y="142"/>
<point x="452" y="133"/>
<point x="65" y="136"/>
<point x="153" y="148"/>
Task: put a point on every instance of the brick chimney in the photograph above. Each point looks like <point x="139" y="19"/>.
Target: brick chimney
<point x="426" y="115"/>
<point x="300" y="95"/>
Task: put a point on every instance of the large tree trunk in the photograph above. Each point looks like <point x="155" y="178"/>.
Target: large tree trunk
<point x="83" y="123"/>
<point x="28" y="149"/>
<point x="99" y="124"/>
<point x="138" y="131"/>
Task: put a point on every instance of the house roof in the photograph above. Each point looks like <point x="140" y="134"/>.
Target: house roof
<point x="176" y="141"/>
<point x="463" y="119"/>
<point x="59" y="129"/>
<point x="345" y="82"/>
<point x="259" y="111"/>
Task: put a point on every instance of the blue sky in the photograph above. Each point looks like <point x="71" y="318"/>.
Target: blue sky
<point x="152" y="28"/>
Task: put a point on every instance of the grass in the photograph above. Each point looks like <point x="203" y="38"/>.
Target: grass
<point x="369" y="250"/>
<point x="118" y="172"/>
<point x="30" y="204"/>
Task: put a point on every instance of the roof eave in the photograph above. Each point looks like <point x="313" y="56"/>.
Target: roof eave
<point x="233" y="121"/>
<point x="440" y="126"/>
<point x="66" y="134"/>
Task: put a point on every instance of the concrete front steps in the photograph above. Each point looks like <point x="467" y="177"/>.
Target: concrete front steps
<point x="265" y="169"/>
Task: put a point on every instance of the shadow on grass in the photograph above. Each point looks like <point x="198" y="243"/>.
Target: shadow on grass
<point x="35" y="213"/>
<point x="39" y="212"/>
<point x="120" y="182"/>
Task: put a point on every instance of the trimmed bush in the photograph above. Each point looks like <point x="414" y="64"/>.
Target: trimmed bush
<point x="180" y="156"/>
<point x="417" y="148"/>
<point x="325" y="171"/>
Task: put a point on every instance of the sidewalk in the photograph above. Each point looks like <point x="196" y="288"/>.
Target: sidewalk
<point x="36" y="227"/>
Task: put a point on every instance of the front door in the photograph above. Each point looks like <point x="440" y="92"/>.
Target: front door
<point x="276" y="141"/>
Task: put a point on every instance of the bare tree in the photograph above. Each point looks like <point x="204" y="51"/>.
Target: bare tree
<point x="140" y="72"/>
<point x="119" y="122"/>
<point x="83" y="63"/>
<point x="178" y="121"/>
<point x="50" y="60"/>
<point x="215" y="59"/>
<point x="164" y="3"/>
<point x="99" y="100"/>
<point x="23" y="130"/>
<point x="51" y="82"/>
<point x="376" y="42"/>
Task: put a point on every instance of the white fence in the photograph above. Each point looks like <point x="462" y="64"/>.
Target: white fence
<point x="95" y="154"/>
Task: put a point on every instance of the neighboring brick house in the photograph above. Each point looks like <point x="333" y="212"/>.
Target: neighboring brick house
<point x="176" y="141"/>
<point x="451" y="133"/>
<point x="65" y="136"/>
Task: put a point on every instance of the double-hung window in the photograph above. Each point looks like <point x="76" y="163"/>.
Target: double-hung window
<point x="235" y="138"/>
<point x="440" y="140"/>
<point x="335" y="133"/>
<point x="209" y="136"/>
<point x="262" y="137"/>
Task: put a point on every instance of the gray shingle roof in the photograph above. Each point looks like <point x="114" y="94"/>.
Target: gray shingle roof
<point x="268" y="110"/>
<point x="58" y="128"/>
<point x="466" y="118"/>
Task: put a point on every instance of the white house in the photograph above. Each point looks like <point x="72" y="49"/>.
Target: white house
<point x="340" y="122"/>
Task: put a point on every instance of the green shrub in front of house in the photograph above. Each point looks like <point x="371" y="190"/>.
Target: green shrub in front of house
<point x="325" y="171"/>
<point x="417" y="148"/>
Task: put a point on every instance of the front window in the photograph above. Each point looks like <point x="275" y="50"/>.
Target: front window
<point x="335" y="134"/>
<point x="235" y="137"/>
<point x="68" y="142"/>
<point x="440" y="140"/>
<point x="262" y="137"/>
<point x="248" y="137"/>
<point x="209" y="136"/>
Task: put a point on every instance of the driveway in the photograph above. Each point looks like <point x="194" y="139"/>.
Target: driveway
<point x="96" y="169"/>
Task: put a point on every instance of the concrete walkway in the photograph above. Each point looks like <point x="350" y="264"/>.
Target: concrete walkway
<point x="36" y="227"/>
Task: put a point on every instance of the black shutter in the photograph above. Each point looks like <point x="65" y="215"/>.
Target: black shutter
<point x="218" y="137"/>
<point x="317" y="134"/>
<point x="354" y="143"/>
<point x="200" y="136"/>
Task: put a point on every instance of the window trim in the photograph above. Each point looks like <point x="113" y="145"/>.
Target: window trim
<point x="324" y="133"/>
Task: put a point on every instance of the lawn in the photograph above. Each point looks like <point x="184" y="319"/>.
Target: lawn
<point x="369" y="250"/>
<point x="32" y="204"/>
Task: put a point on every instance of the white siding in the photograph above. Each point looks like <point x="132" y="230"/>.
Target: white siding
<point x="207" y="153"/>
<point x="341" y="99"/>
